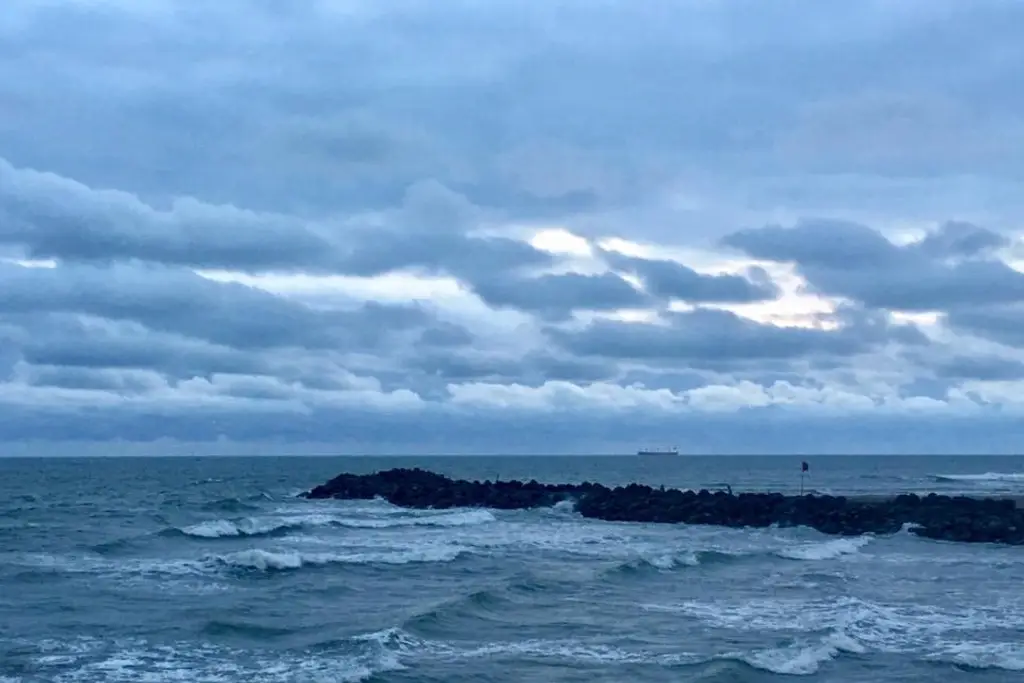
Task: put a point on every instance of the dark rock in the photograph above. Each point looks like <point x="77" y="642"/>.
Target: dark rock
<point x="969" y="520"/>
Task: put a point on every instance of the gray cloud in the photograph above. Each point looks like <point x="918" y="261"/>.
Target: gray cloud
<point x="151" y="138"/>
<point x="998" y="323"/>
<point x="673" y="280"/>
<point x="556" y="296"/>
<point x="950" y="268"/>
<point x="167" y="300"/>
<point x="53" y="217"/>
<point x="249" y="422"/>
<point x="65" y="340"/>
<point x="119" y="382"/>
<point x="984" y="368"/>
<point x="713" y="335"/>
<point x="532" y="369"/>
<point x="211" y="101"/>
<point x="181" y="304"/>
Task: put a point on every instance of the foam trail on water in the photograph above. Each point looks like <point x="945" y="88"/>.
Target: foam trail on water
<point x="89" y="659"/>
<point x="452" y="519"/>
<point x="1010" y="477"/>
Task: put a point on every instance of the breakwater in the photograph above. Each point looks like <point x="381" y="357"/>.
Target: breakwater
<point x="951" y="518"/>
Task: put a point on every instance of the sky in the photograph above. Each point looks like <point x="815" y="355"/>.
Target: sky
<point x="486" y="226"/>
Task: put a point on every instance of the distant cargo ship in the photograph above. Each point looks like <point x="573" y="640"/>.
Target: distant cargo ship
<point x="658" y="451"/>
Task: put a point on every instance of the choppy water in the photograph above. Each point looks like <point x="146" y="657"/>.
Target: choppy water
<point x="211" y="570"/>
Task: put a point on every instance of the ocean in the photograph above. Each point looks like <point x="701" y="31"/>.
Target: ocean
<point x="210" y="569"/>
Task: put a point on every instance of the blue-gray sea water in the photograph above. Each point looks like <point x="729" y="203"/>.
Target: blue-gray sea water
<point x="192" y="569"/>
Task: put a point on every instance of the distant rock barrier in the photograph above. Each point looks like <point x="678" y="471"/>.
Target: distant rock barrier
<point x="949" y="518"/>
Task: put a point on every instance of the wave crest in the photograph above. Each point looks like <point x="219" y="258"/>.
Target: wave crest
<point x="801" y="660"/>
<point x="278" y="526"/>
<point x="286" y="560"/>
<point x="825" y="550"/>
<point x="226" y="528"/>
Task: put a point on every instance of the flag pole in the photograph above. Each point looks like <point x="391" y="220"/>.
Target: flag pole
<point x="804" y="467"/>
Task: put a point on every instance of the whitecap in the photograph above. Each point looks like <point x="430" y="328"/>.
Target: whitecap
<point x="217" y="528"/>
<point x="793" y="661"/>
<point x="825" y="550"/>
<point x="563" y="507"/>
<point x="671" y="560"/>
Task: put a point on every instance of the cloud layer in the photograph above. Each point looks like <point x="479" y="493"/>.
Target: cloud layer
<point x="482" y="226"/>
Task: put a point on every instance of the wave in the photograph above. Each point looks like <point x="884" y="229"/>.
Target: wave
<point x="855" y="625"/>
<point x="672" y="560"/>
<point x="802" y="659"/>
<point x="278" y="526"/>
<point x="407" y="645"/>
<point x="217" y="628"/>
<point x="230" y="505"/>
<point x="667" y="561"/>
<point x="825" y="550"/>
<point x="982" y="656"/>
<point x="449" y="519"/>
<point x="985" y="477"/>
<point x="286" y="560"/>
<point x="226" y="528"/>
<point x="565" y="508"/>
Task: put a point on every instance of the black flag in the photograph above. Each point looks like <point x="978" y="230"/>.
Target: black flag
<point x="804" y="466"/>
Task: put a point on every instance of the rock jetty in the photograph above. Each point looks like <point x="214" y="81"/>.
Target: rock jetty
<point x="949" y="518"/>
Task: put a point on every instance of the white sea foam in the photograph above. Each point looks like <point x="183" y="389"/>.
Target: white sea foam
<point x="574" y="651"/>
<point x="825" y="550"/>
<point x="857" y="626"/>
<point x="1006" y="656"/>
<point x="86" y="660"/>
<point x="794" y="661"/>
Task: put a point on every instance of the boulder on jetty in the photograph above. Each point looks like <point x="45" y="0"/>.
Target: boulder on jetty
<point x="950" y="518"/>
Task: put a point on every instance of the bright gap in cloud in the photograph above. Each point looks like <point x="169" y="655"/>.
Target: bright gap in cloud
<point x="562" y="242"/>
<point x="391" y="287"/>
<point x="795" y="307"/>
<point x="32" y="263"/>
<point x="922" y="318"/>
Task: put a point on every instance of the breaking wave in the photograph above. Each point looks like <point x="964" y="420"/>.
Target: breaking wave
<point x="672" y="560"/>
<point x="800" y="659"/>
<point x="825" y="550"/>
<point x="225" y="528"/>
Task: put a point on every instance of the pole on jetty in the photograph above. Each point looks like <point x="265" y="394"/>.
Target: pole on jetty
<point x="804" y="467"/>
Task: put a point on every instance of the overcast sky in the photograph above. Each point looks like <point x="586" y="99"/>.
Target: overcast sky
<point x="506" y="226"/>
